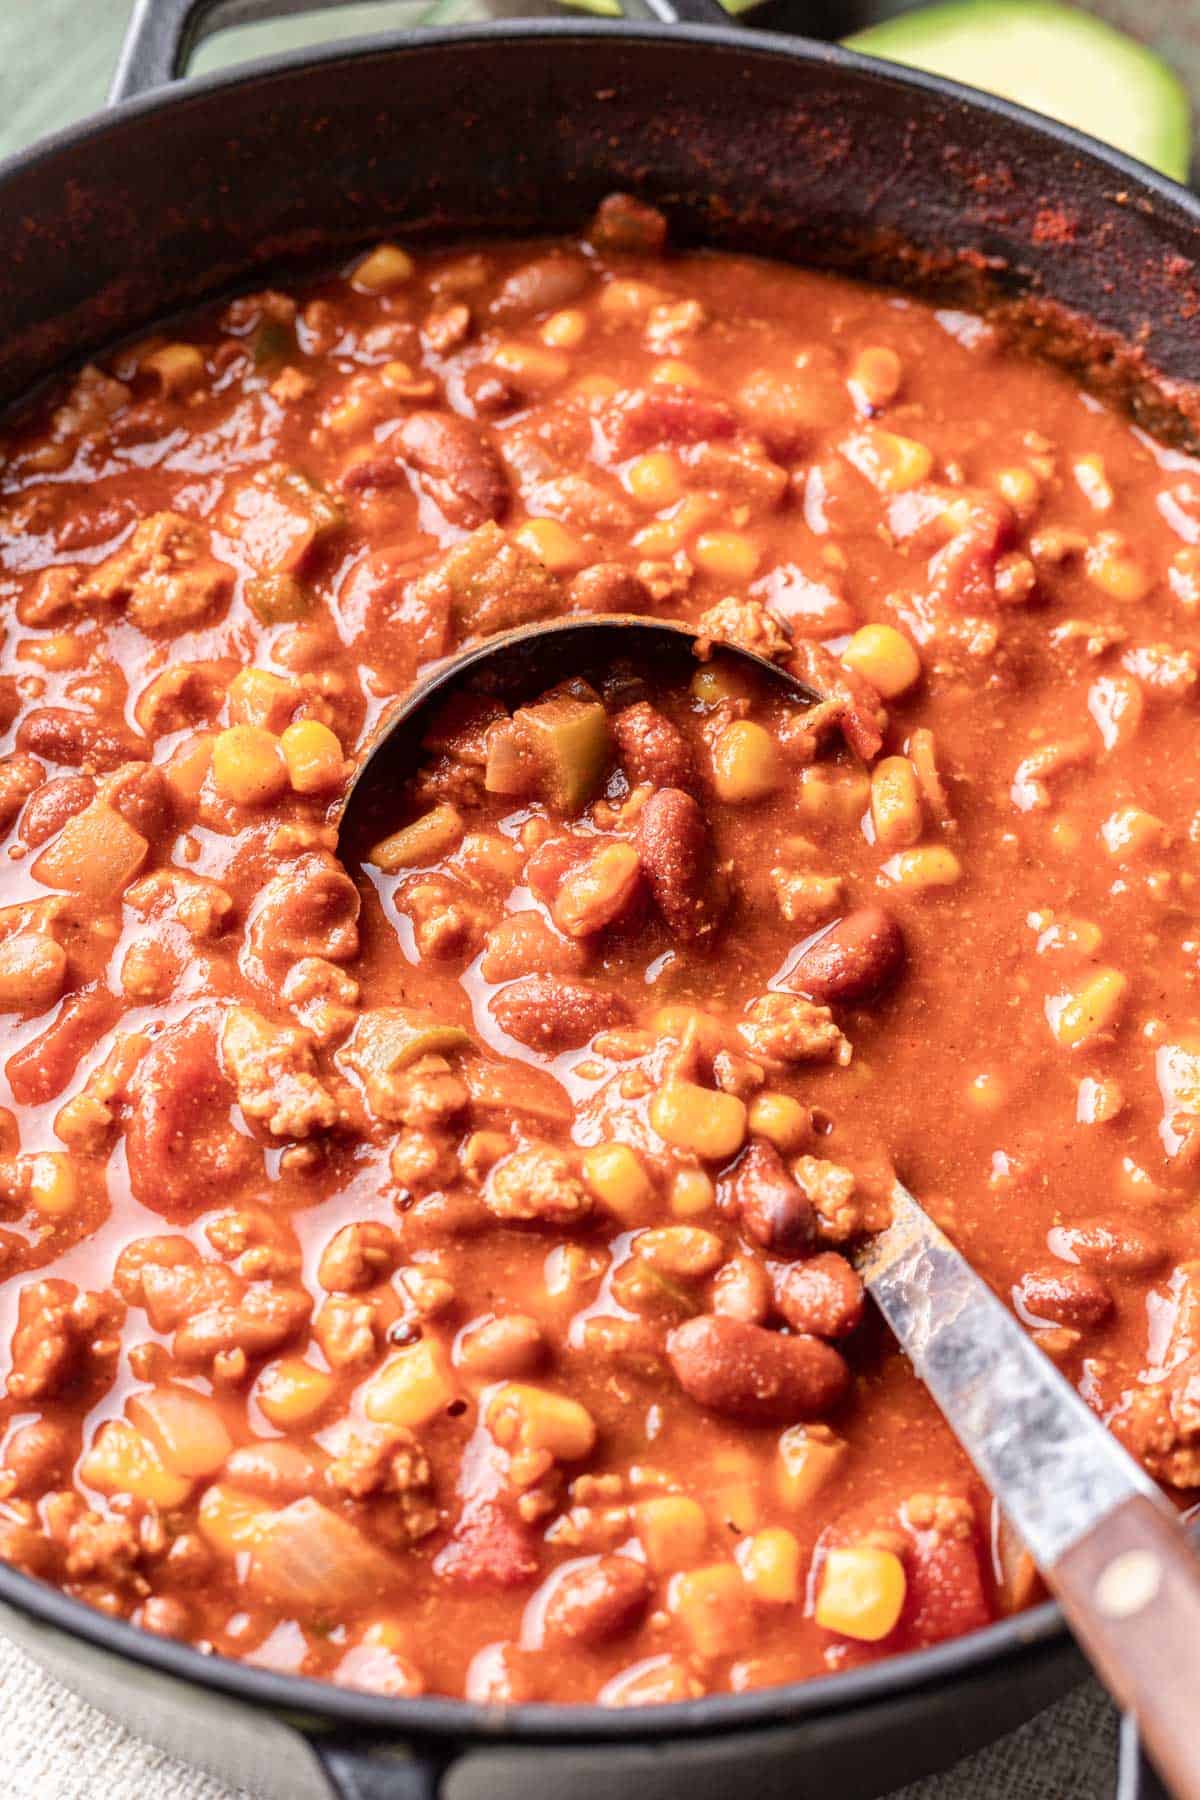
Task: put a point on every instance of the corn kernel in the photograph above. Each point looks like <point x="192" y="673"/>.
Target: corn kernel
<point x="674" y="373"/>
<point x="728" y="555"/>
<point x="655" y="480"/>
<point x="617" y="1177"/>
<point x="1019" y="486"/>
<point x="780" y="1119"/>
<point x="875" y="376"/>
<point x="382" y="269"/>
<point x="314" y="758"/>
<point x="122" y="1461"/>
<point x="539" y="367"/>
<point x="661" y="539"/>
<point x="625" y="301"/>
<point x="746" y="762"/>
<point x="257" y="697"/>
<point x="1091" y="1009"/>
<point x="292" y="1392"/>
<point x="928" y="866"/>
<point x="715" y="682"/>
<point x="884" y="657"/>
<point x="673" y="1531"/>
<point x="691" y="1023"/>
<point x="230" y="1520"/>
<point x="896" y="803"/>
<point x="712" y="1606"/>
<point x="890" y="462"/>
<point x="553" y="545"/>
<point x="1112" y="567"/>
<point x="809" y="1457"/>
<point x="862" y="1593"/>
<point x="53" y="1186"/>
<point x="532" y="1418"/>
<point x="412" y="1387"/>
<point x="423" y="842"/>
<point x="565" y="330"/>
<point x="710" y="1124"/>
<point x="770" y="1565"/>
<point x="248" y="766"/>
<point x="692" y="1192"/>
<point x="833" y="792"/>
<point x="178" y="368"/>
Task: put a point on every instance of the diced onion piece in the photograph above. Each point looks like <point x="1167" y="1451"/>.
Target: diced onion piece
<point x="308" y="1559"/>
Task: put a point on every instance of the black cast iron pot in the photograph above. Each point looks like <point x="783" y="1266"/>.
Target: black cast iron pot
<point x="749" y="141"/>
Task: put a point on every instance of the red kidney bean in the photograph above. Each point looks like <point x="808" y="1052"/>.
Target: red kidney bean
<point x="456" y="465"/>
<point x="51" y="805"/>
<point x="857" y="957"/>
<point x="759" y="1376"/>
<point x="608" y="587"/>
<point x="773" y="1207"/>
<point x="742" y="1290"/>
<point x="676" y="853"/>
<point x="627" y="226"/>
<point x="542" y="285"/>
<point x="823" y="1296"/>
<point x="1065" y="1295"/>
<point x="1105" y="1243"/>
<point x="596" y="1603"/>
<point x="651" y="748"/>
<point x="491" y="392"/>
<point x="547" y="1012"/>
<point x="523" y="944"/>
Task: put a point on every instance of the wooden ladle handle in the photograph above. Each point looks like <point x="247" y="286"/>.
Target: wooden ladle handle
<point x="1131" y="1593"/>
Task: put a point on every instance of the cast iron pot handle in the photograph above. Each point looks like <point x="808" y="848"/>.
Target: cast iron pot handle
<point x="162" y="34"/>
<point x="356" y="1770"/>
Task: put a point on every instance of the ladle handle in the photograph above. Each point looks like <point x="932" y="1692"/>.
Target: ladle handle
<point x="1131" y="1592"/>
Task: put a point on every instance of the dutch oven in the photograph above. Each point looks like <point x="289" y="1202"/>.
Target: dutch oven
<point x="749" y="141"/>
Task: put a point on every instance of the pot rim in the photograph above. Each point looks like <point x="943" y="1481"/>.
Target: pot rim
<point x="317" y="1703"/>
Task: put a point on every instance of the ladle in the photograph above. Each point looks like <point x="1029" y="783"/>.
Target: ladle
<point x="1108" y="1545"/>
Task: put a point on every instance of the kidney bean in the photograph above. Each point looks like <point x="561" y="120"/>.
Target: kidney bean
<point x="490" y="392"/>
<point x="490" y="1547"/>
<point x="507" y="1345"/>
<point x="857" y="957"/>
<point x="547" y="1012"/>
<point x="773" y="1207"/>
<point x="594" y="1603"/>
<point x="665" y="415"/>
<point x="523" y="944"/>
<point x="652" y="749"/>
<point x="628" y="226"/>
<point x="1064" y="1294"/>
<point x="608" y="587"/>
<point x="742" y="1290"/>
<point x="760" y="1376"/>
<point x="51" y="805"/>
<point x="1101" y="1244"/>
<point x="456" y="465"/>
<point x="542" y="285"/>
<point x="823" y="1296"/>
<point x="676" y="853"/>
<point x="79" y="740"/>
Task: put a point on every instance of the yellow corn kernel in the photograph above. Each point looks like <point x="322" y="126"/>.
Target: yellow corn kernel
<point x="315" y="764"/>
<point x="624" y="301"/>
<point x="1112" y="567"/>
<point x="890" y="462"/>
<point x="729" y="555"/>
<point x="895" y="803"/>
<point x="412" y="1387"/>
<point x="875" y="376"/>
<point x="382" y="269"/>
<point x="553" y="545"/>
<point x="833" y="792"/>
<point x="53" y="1187"/>
<point x="674" y="373"/>
<point x="1091" y="477"/>
<point x="522" y="1417"/>
<point x="185" y="1428"/>
<point x="665" y="536"/>
<point x="809" y="1457"/>
<point x="680" y="1022"/>
<point x="884" y="657"/>
<point x="292" y="1392"/>
<point x="1020" y="487"/>
<point x="122" y="1461"/>
<point x="712" y="1606"/>
<point x="862" y="1592"/>
<point x="987" y="1092"/>
<point x="746" y="762"/>
<point x="710" y="1124"/>
<point x="1130" y="832"/>
<point x="780" y="1119"/>
<point x="533" y="363"/>
<point x="715" y="682"/>
<point x="248" y="766"/>
<point x="692" y="1193"/>
<point x="673" y="1531"/>
<point x="257" y="697"/>
<point x="178" y="368"/>
<point x="230" y="1520"/>
<point x="415" y="846"/>
<point x="770" y="1565"/>
<point x="565" y="330"/>
<point x="1078" y="1016"/>
<point x="928" y="866"/>
<point x="655" y="480"/>
<point x="617" y="1177"/>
